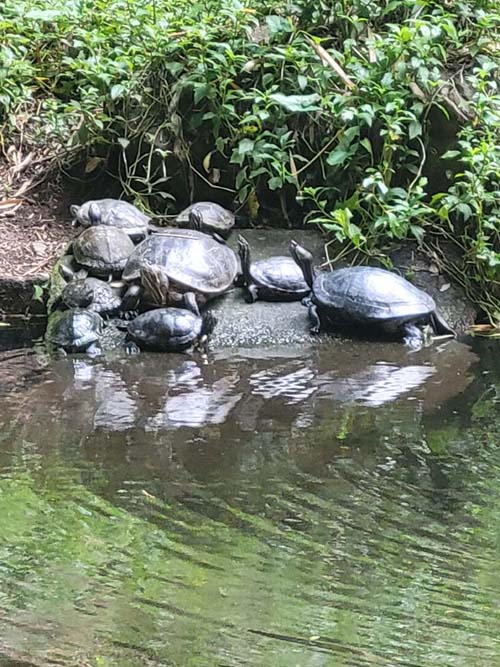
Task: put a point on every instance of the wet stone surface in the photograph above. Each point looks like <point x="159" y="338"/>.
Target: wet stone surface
<point x="242" y="324"/>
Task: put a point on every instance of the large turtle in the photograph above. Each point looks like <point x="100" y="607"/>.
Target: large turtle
<point x="174" y="262"/>
<point x="172" y="329"/>
<point x="273" y="279"/>
<point x="214" y="219"/>
<point x="75" y="330"/>
<point x="114" y="213"/>
<point x="365" y="296"/>
<point x="102" y="251"/>
<point x="91" y="293"/>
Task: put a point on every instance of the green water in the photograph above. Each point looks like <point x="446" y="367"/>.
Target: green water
<point x="322" y="507"/>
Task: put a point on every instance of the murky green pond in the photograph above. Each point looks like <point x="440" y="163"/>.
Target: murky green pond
<point x="331" y="506"/>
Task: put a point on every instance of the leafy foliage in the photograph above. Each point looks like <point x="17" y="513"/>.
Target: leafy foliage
<point x="318" y="109"/>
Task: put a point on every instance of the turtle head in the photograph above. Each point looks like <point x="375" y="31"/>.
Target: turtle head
<point x="244" y="253"/>
<point x="304" y="259"/>
<point x="155" y="282"/>
<point x="196" y="220"/>
<point x="66" y="273"/>
<point x="95" y="215"/>
<point x="74" y="209"/>
<point x="207" y="327"/>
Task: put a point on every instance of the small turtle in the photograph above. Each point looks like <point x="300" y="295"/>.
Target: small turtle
<point x="113" y="213"/>
<point x="177" y="261"/>
<point x="214" y="219"/>
<point x="75" y="330"/>
<point x="273" y="279"/>
<point x="102" y="251"/>
<point x="91" y="293"/>
<point x="366" y="296"/>
<point x="172" y="329"/>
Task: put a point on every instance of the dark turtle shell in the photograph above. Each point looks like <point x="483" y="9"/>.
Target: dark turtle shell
<point x="215" y="217"/>
<point x="74" y="330"/>
<point x="369" y="294"/>
<point x="103" y="250"/>
<point x="279" y="275"/>
<point x="114" y="213"/>
<point x="91" y="293"/>
<point x="166" y="329"/>
<point x="193" y="261"/>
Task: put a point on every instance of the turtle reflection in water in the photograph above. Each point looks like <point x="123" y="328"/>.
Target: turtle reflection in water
<point x="368" y="297"/>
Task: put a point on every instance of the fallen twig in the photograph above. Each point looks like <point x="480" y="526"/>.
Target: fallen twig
<point x="331" y="62"/>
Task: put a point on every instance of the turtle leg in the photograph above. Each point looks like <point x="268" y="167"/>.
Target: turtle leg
<point x="413" y="336"/>
<point x="314" y="317"/>
<point x="66" y="273"/>
<point x="132" y="348"/>
<point x="93" y="350"/>
<point x="188" y="297"/>
<point x="251" y="293"/>
<point x="219" y="238"/>
<point x="306" y="301"/>
<point x="440" y="325"/>
<point x="131" y="298"/>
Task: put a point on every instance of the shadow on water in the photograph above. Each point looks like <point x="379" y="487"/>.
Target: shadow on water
<point x="329" y="505"/>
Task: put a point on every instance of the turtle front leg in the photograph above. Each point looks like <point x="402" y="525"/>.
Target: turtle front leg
<point x="413" y="336"/>
<point x="251" y="293"/>
<point x="131" y="298"/>
<point x="314" y="317"/>
<point x="93" y="350"/>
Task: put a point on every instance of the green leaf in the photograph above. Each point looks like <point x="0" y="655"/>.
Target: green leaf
<point x="465" y="210"/>
<point x="414" y="129"/>
<point x="117" y="91"/>
<point x="277" y="24"/>
<point x="367" y="145"/>
<point x="337" y="156"/>
<point x="245" y="146"/>
<point x="417" y="232"/>
<point x="297" y="103"/>
<point x="274" y="183"/>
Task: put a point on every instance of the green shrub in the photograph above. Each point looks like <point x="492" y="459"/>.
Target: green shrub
<point x="316" y="109"/>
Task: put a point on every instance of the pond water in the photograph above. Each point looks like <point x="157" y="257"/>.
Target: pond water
<point x="333" y="505"/>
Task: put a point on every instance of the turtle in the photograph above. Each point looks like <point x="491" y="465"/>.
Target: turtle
<point x="172" y="329"/>
<point x="114" y="213"/>
<point x="276" y="278"/>
<point x="75" y="330"/>
<point x="177" y="261"/>
<point x="101" y="251"/>
<point x="91" y="293"/>
<point x="367" y="296"/>
<point x="214" y="219"/>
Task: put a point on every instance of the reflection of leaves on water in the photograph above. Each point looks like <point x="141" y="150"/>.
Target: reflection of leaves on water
<point x="271" y="382"/>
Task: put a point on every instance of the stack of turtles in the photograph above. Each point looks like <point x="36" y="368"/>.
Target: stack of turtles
<point x="154" y="282"/>
<point x="155" y="289"/>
